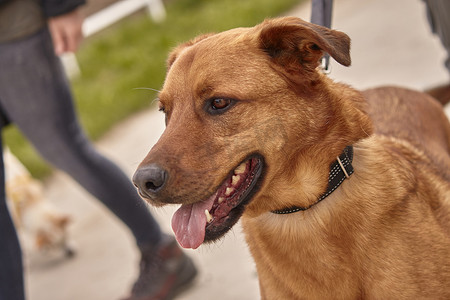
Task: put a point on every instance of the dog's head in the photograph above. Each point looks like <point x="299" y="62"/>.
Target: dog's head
<point x="241" y="107"/>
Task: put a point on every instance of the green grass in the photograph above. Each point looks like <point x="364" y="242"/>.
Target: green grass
<point x="132" y="55"/>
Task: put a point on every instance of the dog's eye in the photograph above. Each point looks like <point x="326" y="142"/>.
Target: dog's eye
<point x="219" y="105"/>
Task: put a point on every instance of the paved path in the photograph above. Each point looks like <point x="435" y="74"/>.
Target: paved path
<point x="392" y="44"/>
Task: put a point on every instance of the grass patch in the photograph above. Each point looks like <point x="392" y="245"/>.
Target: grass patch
<point x="132" y="55"/>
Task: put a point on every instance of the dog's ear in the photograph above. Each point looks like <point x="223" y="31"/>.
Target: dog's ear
<point x="175" y="52"/>
<point x="297" y="45"/>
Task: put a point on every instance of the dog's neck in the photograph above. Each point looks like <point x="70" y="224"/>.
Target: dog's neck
<point x="340" y="169"/>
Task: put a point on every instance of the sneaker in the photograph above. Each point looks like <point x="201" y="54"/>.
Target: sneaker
<point x="165" y="271"/>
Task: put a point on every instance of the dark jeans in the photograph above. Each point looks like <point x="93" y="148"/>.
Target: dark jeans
<point x="35" y="95"/>
<point x="438" y="12"/>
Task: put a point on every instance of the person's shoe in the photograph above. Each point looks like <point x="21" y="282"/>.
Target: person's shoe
<point x="441" y="93"/>
<point x="165" y="271"/>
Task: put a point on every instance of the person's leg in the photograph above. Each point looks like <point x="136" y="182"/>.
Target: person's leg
<point x="40" y="104"/>
<point x="438" y="12"/>
<point x="11" y="269"/>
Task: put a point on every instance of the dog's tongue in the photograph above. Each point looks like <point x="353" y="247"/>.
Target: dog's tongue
<point x="189" y="223"/>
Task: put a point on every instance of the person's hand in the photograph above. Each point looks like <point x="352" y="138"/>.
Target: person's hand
<point x="66" y="31"/>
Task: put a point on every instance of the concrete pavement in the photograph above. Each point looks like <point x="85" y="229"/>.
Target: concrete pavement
<point x="391" y="44"/>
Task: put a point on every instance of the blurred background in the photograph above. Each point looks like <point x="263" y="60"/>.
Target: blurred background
<point x="118" y="68"/>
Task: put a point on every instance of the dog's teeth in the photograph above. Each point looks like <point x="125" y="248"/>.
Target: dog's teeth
<point x="228" y="191"/>
<point x="221" y="199"/>
<point x="235" y="179"/>
<point x="208" y="216"/>
<point x="240" y="169"/>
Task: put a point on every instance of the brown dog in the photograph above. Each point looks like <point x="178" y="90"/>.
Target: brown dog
<point x="339" y="199"/>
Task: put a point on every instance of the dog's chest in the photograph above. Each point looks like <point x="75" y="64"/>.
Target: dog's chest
<point x="294" y="261"/>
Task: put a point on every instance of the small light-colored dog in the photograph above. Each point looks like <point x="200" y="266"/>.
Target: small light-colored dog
<point x="41" y="222"/>
<point x="342" y="194"/>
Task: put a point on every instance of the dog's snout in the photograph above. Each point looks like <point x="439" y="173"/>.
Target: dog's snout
<point x="150" y="180"/>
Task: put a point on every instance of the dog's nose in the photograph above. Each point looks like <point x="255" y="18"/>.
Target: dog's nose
<point x="149" y="180"/>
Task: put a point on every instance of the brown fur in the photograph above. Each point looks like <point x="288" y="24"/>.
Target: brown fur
<point x="383" y="234"/>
